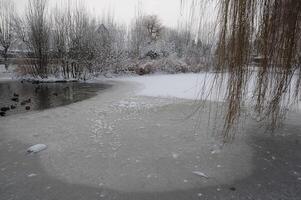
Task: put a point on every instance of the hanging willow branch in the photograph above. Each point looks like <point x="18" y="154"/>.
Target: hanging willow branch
<point x="269" y="29"/>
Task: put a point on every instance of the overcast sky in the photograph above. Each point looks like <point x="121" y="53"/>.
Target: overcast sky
<point x="125" y="10"/>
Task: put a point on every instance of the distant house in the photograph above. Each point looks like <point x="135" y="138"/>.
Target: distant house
<point x="103" y="31"/>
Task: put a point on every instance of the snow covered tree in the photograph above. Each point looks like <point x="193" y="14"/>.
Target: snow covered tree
<point x="152" y="26"/>
<point x="7" y="35"/>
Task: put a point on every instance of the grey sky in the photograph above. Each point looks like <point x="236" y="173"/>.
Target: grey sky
<point x="125" y="10"/>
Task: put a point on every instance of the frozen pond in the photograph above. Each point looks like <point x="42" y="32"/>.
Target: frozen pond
<point x="22" y="97"/>
<point x="132" y="143"/>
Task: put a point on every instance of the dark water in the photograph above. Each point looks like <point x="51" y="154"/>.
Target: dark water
<point x="25" y="97"/>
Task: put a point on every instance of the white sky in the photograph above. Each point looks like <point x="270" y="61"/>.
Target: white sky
<point x="125" y="10"/>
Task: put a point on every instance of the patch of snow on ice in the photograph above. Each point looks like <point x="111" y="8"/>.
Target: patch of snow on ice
<point x="200" y="174"/>
<point x="216" y="149"/>
<point x="175" y="155"/>
<point x="128" y="104"/>
<point x="132" y="104"/>
<point x="32" y="175"/>
<point x="36" y="148"/>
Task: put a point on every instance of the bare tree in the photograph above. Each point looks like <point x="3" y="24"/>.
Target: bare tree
<point x="70" y="28"/>
<point x="82" y="50"/>
<point x="111" y="44"/>
<point x="61" y="39"/>
<point x="6" y="27"/>
<point x="146" y="31"/>
<point x="34" y="31"/>
<point x="137" y="36"/>
<point x="152" y="26"/>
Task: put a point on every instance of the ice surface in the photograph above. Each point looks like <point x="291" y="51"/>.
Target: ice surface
<point x="95" y="142"/>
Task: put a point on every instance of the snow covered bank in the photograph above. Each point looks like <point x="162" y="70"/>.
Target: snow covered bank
<point x="10" y="74"/>
<point x="201" y="86"/>
<point x="49" y="80"/>
<point x="184" y="86"/>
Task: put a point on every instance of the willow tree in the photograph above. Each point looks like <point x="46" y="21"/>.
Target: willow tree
<point x="270" y="31"/>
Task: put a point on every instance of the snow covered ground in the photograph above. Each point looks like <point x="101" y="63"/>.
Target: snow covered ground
<point x="194" y="86"/>
<point x="185" y="86"/>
